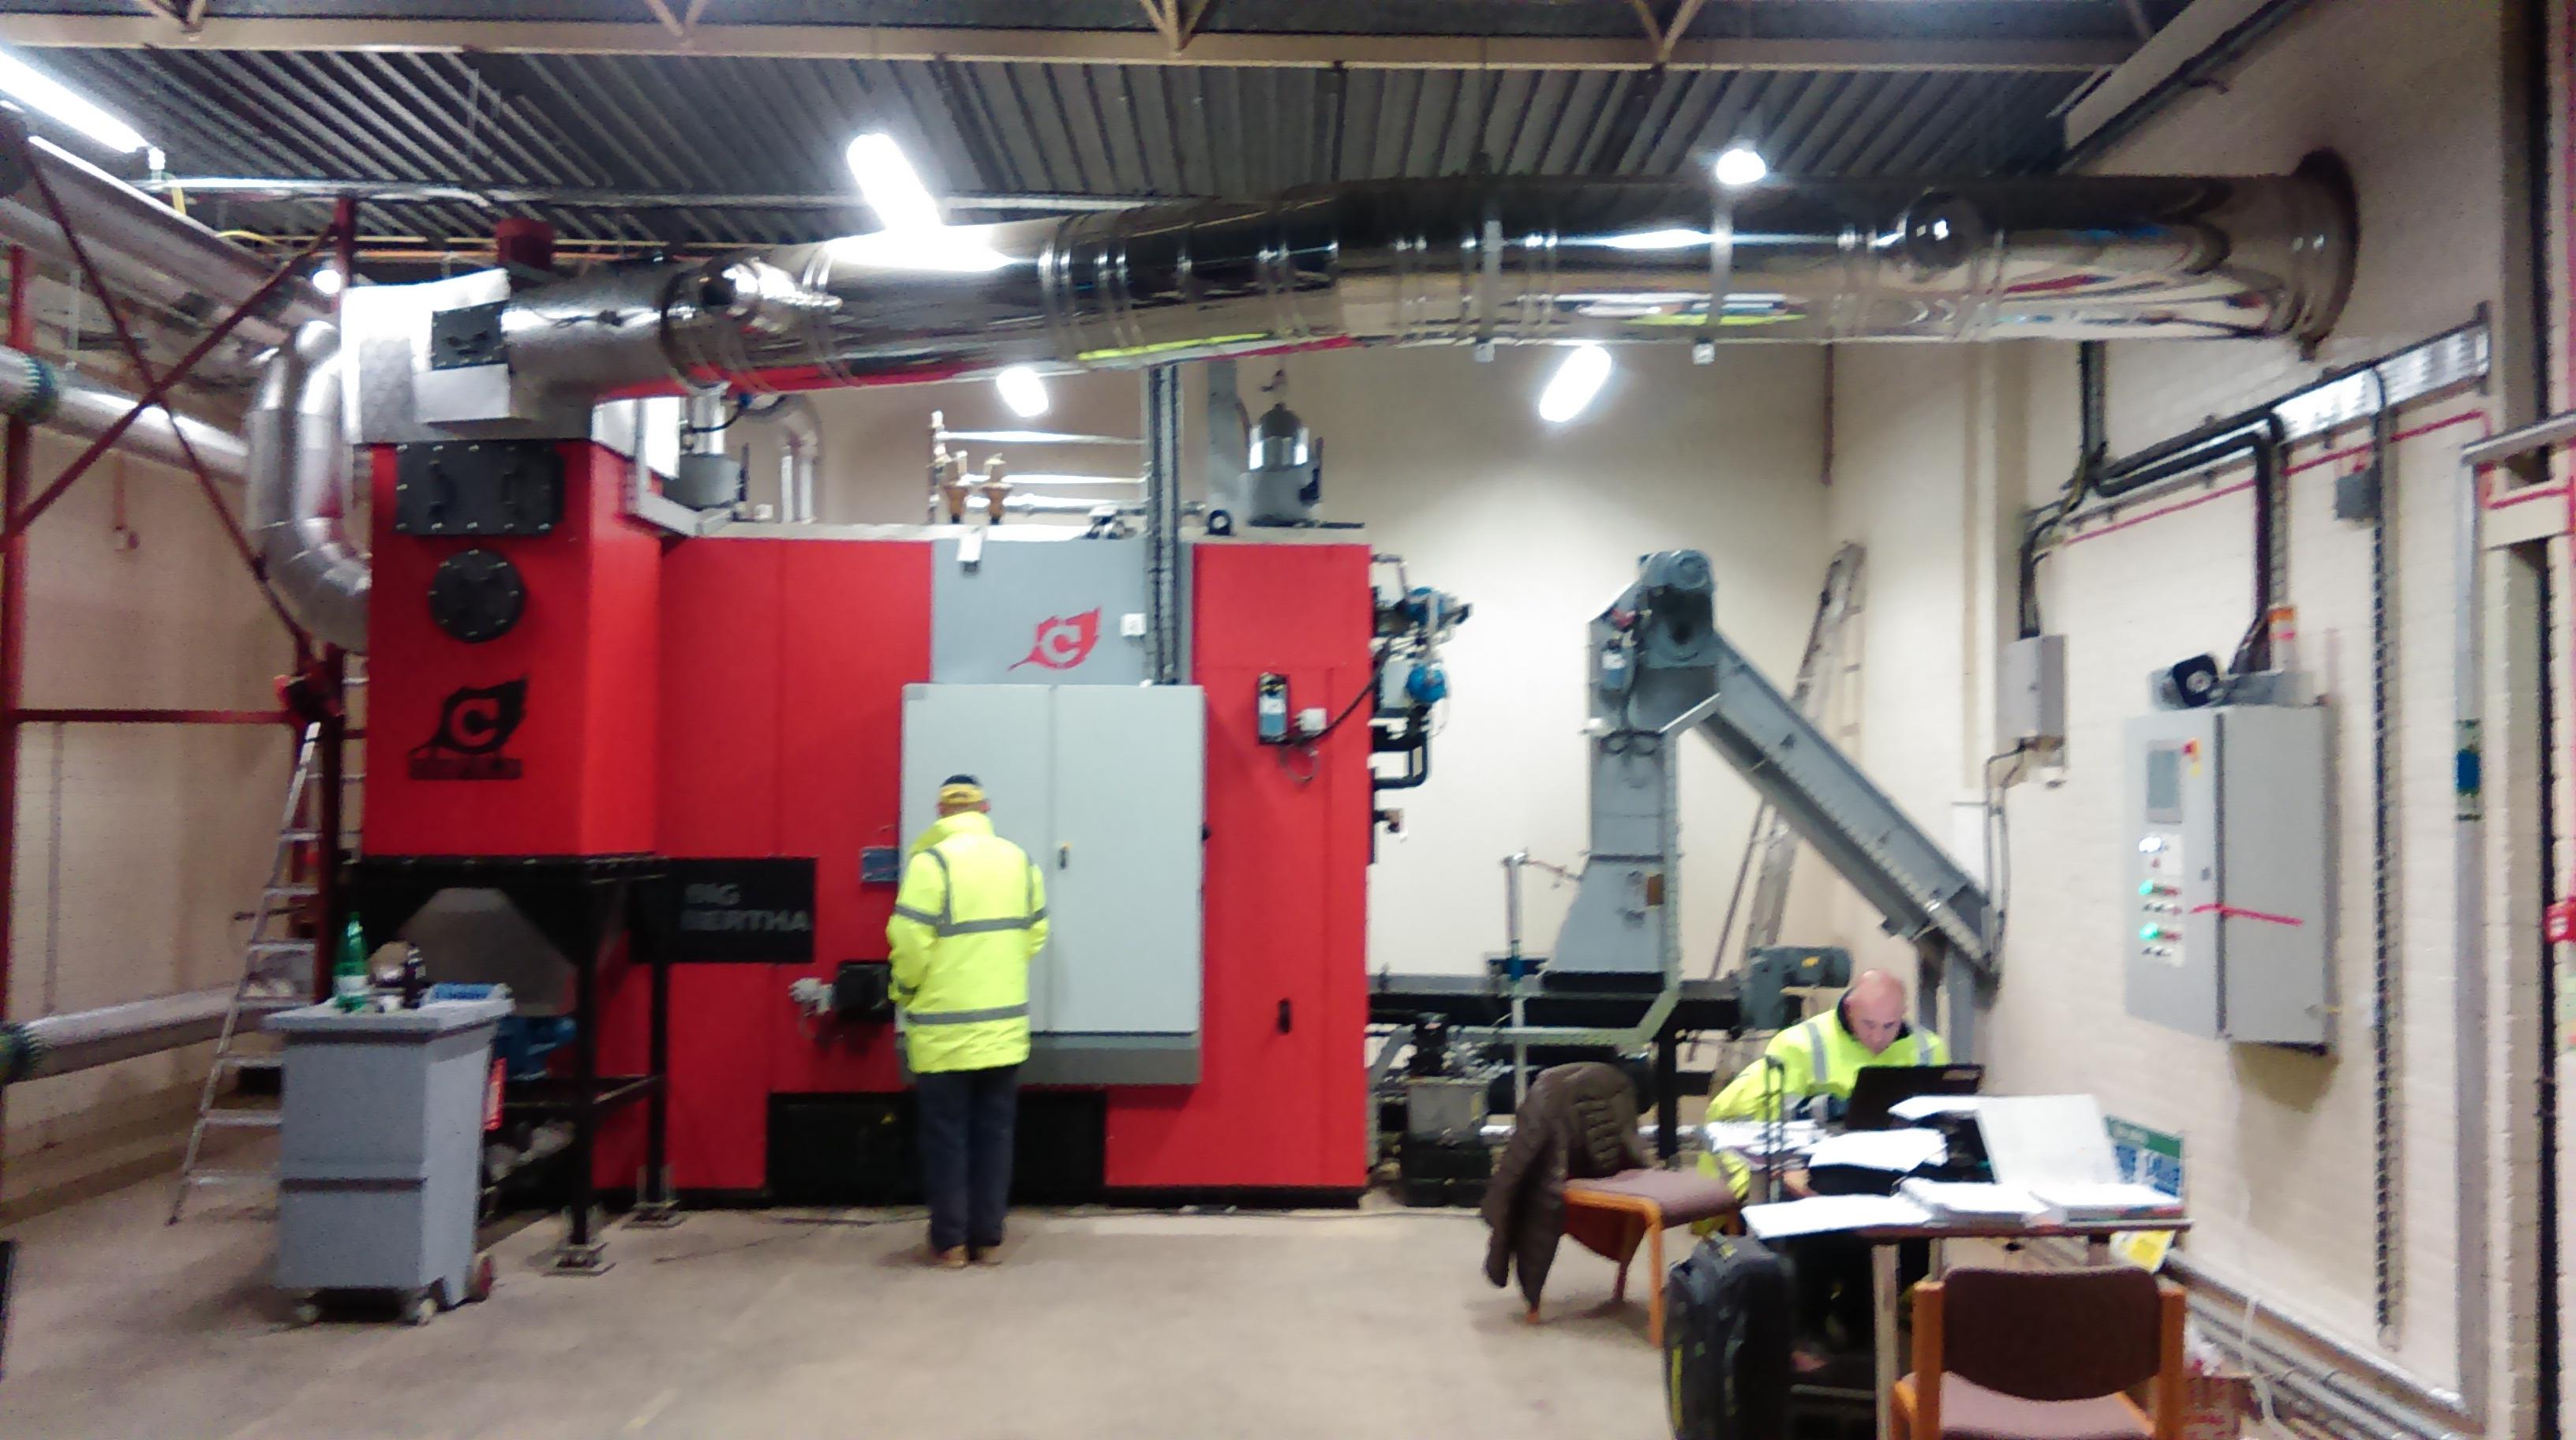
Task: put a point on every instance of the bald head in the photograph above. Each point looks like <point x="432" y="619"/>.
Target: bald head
<point x="1874" y="1009"/>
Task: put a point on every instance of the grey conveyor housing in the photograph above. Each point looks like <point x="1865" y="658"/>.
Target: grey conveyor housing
<point x="1658" y="667"/>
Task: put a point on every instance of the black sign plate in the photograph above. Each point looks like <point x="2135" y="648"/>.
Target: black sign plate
<point x="748" y="911"/>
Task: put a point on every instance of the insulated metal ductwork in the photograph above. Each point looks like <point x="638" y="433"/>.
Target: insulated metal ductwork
<point x="299" y="496"/>
<point x="35" y="391"/>
<point x="81" y="1039"/>
<point x="1475" y="261"/>
<point x="140" y="245"/>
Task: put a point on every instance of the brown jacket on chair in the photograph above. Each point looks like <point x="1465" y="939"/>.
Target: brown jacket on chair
<point x="1579" y="1122"/>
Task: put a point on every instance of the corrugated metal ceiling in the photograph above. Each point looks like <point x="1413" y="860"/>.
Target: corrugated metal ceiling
<point x="711" y="126"/>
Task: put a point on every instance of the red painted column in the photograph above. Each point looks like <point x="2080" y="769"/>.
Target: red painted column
<point x="13" y="610"/>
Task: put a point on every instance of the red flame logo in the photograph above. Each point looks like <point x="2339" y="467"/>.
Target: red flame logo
<point x="1063" y="641"/>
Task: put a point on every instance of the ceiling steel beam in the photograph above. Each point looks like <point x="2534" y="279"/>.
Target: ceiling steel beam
<point x="1127" y="47"/>
<point x="669" y="18"/>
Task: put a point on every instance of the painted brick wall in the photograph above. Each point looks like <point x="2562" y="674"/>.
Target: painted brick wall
<point x="136" y="844"/>
<point x="2278" y="1144"/>
<point x="1444" y="461"/>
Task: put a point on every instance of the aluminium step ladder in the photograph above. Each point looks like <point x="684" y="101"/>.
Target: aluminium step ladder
<point x="277" y="971"/>
<point x="1828" y="670"/>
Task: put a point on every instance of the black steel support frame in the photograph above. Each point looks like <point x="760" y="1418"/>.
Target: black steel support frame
<point x="583" y="904"/>
<point x="1466" y="1000"/>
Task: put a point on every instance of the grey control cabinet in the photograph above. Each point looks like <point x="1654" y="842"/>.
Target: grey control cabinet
<point x="380" y="1149"/>
<point x="2227" y="916"/>
<point x="1105" y="787"/>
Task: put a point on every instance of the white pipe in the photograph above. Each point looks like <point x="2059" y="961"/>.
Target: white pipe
<point x="800" y="454"/>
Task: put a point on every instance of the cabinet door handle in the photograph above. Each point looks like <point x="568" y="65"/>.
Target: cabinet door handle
<point x="1287" y="1017"/>
<point x="1063" y="856"/>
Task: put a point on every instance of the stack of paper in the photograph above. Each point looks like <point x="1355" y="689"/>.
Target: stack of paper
<point x="1761" y="1139"/>
<point x="1921" y="1107"/>
<point x="2111" y="1200"/>
<point x="1949" y="1200"/>
<point x="1831" y="1212"/>
<point x="1899" y="1151"/>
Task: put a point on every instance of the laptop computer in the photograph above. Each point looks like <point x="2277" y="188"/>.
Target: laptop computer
<point x="1882" y="1086"/>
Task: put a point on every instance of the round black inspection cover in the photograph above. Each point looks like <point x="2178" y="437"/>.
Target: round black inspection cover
<point x="476" y="595"/>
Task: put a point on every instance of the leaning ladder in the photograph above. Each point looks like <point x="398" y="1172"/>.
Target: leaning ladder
<point x="1829" y="664"/>
<point x="277" y="972"/>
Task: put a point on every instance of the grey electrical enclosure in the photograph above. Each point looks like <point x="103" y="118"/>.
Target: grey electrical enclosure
<point x="2030" y="705"/>
<point x="1104" y="786"/>
<point x="2227" y="921"/>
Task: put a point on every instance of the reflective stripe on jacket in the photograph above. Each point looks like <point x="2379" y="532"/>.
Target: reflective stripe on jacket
<point x="970" y="917"/>
<point x="1816" y="1058"/>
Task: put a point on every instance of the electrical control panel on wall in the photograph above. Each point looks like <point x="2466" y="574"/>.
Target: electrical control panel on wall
<point x="2225" y="917"/>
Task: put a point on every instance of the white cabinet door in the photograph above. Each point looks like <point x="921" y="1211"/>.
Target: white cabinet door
<point x="1104" y="786"/>
<point x="1123" y="879"/>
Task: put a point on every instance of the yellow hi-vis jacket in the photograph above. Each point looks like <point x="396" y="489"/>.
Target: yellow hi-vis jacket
<point x="970" y="917"/>
<point x="1815" y="1059"/>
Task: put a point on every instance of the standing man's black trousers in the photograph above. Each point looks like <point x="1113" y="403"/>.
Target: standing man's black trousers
<point x="966" y="1122"/>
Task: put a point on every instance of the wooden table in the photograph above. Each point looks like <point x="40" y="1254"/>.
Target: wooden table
<point x="1883" y="1240"/>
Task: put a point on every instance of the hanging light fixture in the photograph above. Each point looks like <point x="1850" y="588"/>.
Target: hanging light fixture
<point x="890" y="185"/>
<point x="1577" y="380"/>
<point x="50" y="97"/>
<point x="1024" y="390"/>
<point x="1740" y="164"/>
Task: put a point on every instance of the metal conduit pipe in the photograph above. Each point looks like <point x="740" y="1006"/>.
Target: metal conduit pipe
<point x="2359" y="1390"/>
<point x="140" y="243"/>
<point x="299" y="496"/>
<point x="37" y="392"/>
<point x="1518" y="261"/>
<point x="60" y="1044"/>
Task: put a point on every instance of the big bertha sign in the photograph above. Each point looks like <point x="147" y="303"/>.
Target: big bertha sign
<point x="752" y="911"/>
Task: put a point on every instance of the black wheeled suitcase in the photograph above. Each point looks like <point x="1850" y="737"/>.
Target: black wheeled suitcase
<point x="1727" y="1336"/>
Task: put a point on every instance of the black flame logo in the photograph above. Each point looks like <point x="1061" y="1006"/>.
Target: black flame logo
<point x="478" y="720"/>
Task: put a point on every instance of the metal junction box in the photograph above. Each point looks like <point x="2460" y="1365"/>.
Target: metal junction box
<point x="2030" y="701"/>
<point x="2227" y="918"/>
<point x="1105" y="787"/>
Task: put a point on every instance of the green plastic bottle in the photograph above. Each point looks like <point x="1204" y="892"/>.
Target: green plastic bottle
<point x="351" y="988"/>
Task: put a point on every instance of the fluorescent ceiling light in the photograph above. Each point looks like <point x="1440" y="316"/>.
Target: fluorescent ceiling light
<point x="890" y="185"/>
<point x="1574" y="384"/>
<point x="48" y="96"/>
<point x="1023" y="391"/>
<point x="1741" y="165"/>
<point x="1657" y="240"/>
<point x="327" y="280"/>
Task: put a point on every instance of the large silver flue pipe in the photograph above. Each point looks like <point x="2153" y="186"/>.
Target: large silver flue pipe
<point x="143" y="246"/>
<point x="300" y="488"/>
<point x="1473" y="261"/>
<point x="35" y="391"/>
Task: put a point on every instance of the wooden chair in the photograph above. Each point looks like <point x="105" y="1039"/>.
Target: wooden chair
<point x="2043" y="1355"/>
<point x="1611" y="1217"/>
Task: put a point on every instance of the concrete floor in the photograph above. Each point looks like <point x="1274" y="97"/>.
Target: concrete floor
<point x="785" y="1324"/>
